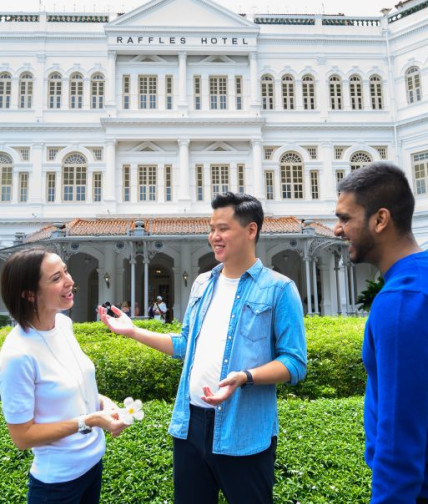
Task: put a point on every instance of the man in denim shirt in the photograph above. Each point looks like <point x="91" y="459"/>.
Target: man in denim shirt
<point x="242" y="334"/>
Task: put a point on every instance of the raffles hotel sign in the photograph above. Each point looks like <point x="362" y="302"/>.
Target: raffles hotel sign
<point x="172" y="40"/>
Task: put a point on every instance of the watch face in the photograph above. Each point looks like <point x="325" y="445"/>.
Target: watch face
<point x="83" y="428"/>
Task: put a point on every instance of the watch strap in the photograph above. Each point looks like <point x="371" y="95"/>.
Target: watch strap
<point x="82" y="427"/>
<point x="249" y="381"/>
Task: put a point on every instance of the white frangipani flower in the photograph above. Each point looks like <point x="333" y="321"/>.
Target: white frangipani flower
<point x="132" y="410"/>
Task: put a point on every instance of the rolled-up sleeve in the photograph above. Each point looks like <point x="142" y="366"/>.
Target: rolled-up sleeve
<point x="289" y="333"/>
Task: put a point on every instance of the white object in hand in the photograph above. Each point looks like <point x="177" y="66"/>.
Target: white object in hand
<point x="132" y="410"/>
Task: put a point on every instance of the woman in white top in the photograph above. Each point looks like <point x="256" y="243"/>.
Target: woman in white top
<point x="49" y="394"/>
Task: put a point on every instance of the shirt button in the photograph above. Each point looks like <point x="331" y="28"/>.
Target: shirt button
<point x="238" y="297"/>
<point x="230" y="337"/>
<point x="225" y="361"/>
<point x="219" y="408"/>
<point x="233" y="316"/>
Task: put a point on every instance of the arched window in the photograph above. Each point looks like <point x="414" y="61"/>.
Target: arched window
<point x="414" y="86"/>
<point x="6" y="169"/>
<point x="288" y="92"/>
<point x="308" y="90"/>
<point x="376" y="95"/>
<point x="74" y="175"/>
<point x="336" y="102"/>
<point x="5" y="90"/>
<point x="54" y="90"/>
<point x="25" y="90"/>
<point x="360" y="159"/>
<point x="76" y="91"/>
<point x="267" y="92"/>
<point x="420" y="170"/>
<point x="291" y="166"/>
<point x="97" y="91"/>
<point x="356" y="92"/>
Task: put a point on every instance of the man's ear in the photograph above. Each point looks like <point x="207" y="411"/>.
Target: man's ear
<point x="382" y="219"/>
<point x="252" y="230"/>
<point x="29" y="296"/>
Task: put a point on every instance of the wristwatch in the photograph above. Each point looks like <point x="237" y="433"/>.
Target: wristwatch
<point x="82" y="427"/>
<point x="249" y="381"/>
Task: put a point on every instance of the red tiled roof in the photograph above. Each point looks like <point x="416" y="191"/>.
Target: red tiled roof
<point x="164" y="226"/>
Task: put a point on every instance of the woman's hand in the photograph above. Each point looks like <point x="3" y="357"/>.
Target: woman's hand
<point x="109" y="421"/>
<point x="121" y="324"/>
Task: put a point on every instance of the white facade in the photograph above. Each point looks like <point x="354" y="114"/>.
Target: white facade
<point x="152" y="112"/>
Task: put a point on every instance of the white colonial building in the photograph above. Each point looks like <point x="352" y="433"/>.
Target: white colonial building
<point x="117" y="130"/>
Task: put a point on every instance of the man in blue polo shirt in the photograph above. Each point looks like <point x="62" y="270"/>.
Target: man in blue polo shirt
<point x="242" y="334"/>
<point x="375" y="210"/>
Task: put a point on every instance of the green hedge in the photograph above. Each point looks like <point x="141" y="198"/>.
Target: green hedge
<point x="125" y="367"/>
<point x="319" y="457"/>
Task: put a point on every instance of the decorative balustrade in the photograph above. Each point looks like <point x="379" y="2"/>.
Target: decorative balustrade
<point x="19" y="18"/>
<point x="284" y="20"/>
<point x="348" y="21"/>
<point x="406" y="12"/>
<point x="70" y="18"/>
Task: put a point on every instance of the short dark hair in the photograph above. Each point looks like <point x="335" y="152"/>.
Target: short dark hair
<point x="21" y="275"/>
<point x="246" y="208"/>
<point x="382" y="185"/>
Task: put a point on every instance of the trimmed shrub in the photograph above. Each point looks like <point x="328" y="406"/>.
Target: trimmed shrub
<point x="127" y="368"/>
<point x="335" y="366"/>
<point x="319" y="457"/>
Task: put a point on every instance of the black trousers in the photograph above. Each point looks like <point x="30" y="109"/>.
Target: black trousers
<point x="199" y="474"/>
<point x="422" y="500"/>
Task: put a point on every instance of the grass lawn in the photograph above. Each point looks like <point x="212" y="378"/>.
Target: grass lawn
<point x="319" y="457"/>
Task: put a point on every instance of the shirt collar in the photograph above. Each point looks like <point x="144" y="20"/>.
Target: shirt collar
<point x="254" y="271"/>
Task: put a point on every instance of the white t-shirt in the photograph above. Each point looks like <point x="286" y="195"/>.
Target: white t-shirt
<point x="212" y="341"/>
<point x="45" y="376"/>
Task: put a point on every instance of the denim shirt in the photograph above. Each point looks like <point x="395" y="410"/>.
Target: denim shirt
<point x="266" y="324"/>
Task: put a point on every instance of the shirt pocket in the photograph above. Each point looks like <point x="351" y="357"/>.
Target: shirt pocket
<point x="256" y="319"/>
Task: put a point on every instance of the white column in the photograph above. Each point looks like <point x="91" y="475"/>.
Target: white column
<point x="367" y="102"/>
<point x="184" y="190"/>
<point x="65" y="92"/>
<point x="298" y="94"/>
<point x="257" y="169"/>
<point x="314" y="277"/>
<point x="86" y="93"/>
<point x="185" y="266"/>
<point x="205" y="93"/>
<point x="308" y="283"/>
<point x="327" y="175"/>
<point x="15" y="93"/>
<point x="132" y="262"/>
<point x="109" y="183"/>
<point x="278" y="94"/>
<point x="254" y="81"/>
<point x="351" y="275"/>
<point x="15" y="186"/>
<point x="346" y="97"/>
<point x="161" y="92"/>
<point x="146" y="283"/>
<point x="133" y="103"/>
<point x="322" y="90"/>
<point x="182" y="81"/>
<point x="109" y="291"/>
<point x="231" y="92"/>
<point x="111" y="80"/>
<point x="338" y="296"/>
<point x="40" y="86"/>
<point x="35" y="188"/>
<point x="345" y="269"/>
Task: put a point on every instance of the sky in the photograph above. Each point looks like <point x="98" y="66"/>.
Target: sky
<point x="349" y="7"/>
